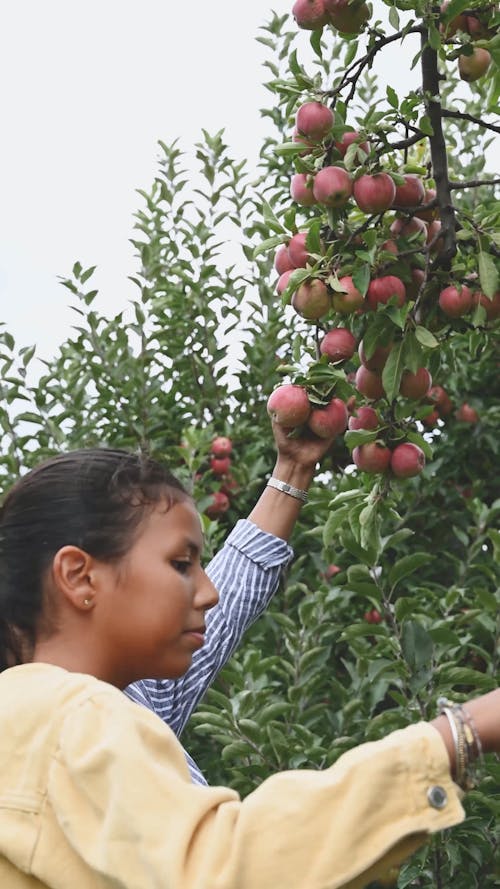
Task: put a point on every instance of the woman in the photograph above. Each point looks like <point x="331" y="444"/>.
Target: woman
<point x="101" y="584"/>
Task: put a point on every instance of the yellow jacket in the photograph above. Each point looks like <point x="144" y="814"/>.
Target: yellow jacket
<point x="95" y="794"/>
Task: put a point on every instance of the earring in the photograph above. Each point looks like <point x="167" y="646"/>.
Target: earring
<point x="87" y="602"/>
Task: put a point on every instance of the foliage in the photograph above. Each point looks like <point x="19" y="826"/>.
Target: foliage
<point x="206" y="340"/>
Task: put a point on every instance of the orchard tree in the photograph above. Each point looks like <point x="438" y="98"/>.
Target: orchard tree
<point x="364" y="299"/>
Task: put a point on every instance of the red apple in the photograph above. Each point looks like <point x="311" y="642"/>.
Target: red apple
<point x="457" y="23"/>
<point x="455" y="301"/>
<point x="331" y="571"/>
<point x="433" y="238"/>
<point x="350" y="299"/>
<point x="376" y="193"/>
<point x="390" y="246"/>
<point x="369" y="383"/>
<point x="297" y="250"/>
<point x="309" y="14"/>
<point x="415" y="385"/>
<point x="405" y="228"/>
<point x="411" y="193"/>
<point x="364" y="418"/>
<point x="326" y="422"/>
<point x="332" y="186"/>
<point x="221" y="446"/>
<point x="490" y="306"/>
<point x="230" y="485"/>
<point x="314" y="120"/>
<point x="413" y="288"/>
<point x="338" y="344"/>
<point x="380" y="290"/>
<point x="312" y="300"/>
<point x="282" y="282"/>
<point x="349" y="138"/>
<point x="289" y="405"/>
<point x="301" y="189"/>
<point x="431" y="419"/>
<point x="378" y="359"/>
<point x="347" y="16"/>
<point x="467" y="414"/>
<point x="373" y="616"/>
<point x="220" y="465"/>
<point x="282" y="261"/>
<point x="438" y="396"/>
<point x="430" y="214"/>
<point x="219" y="505"/>
<point x="372" y="457"/>
<point x="473" y="67"/>
<point x="407" y="460"/>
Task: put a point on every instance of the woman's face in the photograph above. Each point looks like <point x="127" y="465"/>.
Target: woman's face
<point x="152" y="613"/>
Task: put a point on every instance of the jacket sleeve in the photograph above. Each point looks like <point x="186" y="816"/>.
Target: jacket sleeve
<point x="246" y="573"/>
<point x="120" y="791"/>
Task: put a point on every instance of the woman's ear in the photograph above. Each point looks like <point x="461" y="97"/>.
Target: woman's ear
<point x="73" y="575"/>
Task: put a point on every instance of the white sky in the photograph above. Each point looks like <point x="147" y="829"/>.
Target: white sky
<point x="89" y="88"/>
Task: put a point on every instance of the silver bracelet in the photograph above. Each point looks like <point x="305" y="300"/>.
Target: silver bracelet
<point x="285" y="488"/>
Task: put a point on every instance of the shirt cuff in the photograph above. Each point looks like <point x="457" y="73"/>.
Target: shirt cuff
<point x="259" y="546"/>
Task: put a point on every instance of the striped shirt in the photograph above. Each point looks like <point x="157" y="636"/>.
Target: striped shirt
<point x="246" y="573"/>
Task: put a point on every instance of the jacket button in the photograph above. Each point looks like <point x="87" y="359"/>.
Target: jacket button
<point x="437" y="797"/>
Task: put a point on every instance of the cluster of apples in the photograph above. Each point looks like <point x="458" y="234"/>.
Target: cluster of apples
<point x="475" y="64"/>
<point x="347" y="16"/>
<point x="220" y="464"/>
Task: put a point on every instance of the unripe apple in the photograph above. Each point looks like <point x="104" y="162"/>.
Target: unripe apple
<point x="301" y="189"/>
<point x="312" y="300"/>
<point x="347" y="17"/>
<point x="372" y="457"/>
<point x="473" y="67"/>
<point x="221" y="446"/>
<point x="350" y="299"/>
<point x="332" y="186"/>
<point x="338" y="344"/>
<point x="219" y="505"/>
<point x="289" y="405"/>
<point x="297" y="250"/>
<point x="438" y="396"/>
<point x="415" y="385"/>
<point x="309" y="14"/>
<point x="220" y="465"/>
<point x="380" y="290"/>
<point x="406" y="228"/>
<point x="490" y="306"/>
<point x="407" y="460"/>
<point x="378" y="359"/>
<point x="455" y="302"/>
<point x="369" y="383"/>
<point x="314" y="120"/>
<point x="282" y="261"/>
<point x="283" y="280"/>
<point x="428" y="215"/>
<point x="411" y="193"/>
<point x="364" y="417"/>
<point x="376" y="193"/>
<point x="467" y="414"/>
<point x="331" y="571"/>
<point x="326" y="422"/>
<point x="347" y="139"/>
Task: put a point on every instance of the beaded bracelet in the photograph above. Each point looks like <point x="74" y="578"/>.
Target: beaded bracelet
<point x="466" y="740"/>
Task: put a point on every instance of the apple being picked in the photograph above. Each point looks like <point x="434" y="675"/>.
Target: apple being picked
<point x="289" y="405"/>
<point x="407" y="460"/>
<point x="222" y="446"/>
<point x="338" y="344"/>
<point x="326" y="422"/>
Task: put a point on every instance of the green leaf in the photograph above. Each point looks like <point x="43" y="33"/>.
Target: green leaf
<point x="392" y="96"/>
<point x="393" y="370"/>
<point x="408" y="565"/>
<point x="425" y="337"/>
<point x="370" y="523"/>
<point x="394" y="19"/>
<point x="488" y="274"/>
<point x="416" y="644"/>
<point x="268" y="244"/>
<point x="425" y="125"/>
<point x="418" y="440"/>
<point x="296" y="278"/>
<point x="361" y="278"/>
<point x="355" y="437"/>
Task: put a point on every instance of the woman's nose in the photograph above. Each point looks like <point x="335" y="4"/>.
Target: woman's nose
<point x="206" y="594"/>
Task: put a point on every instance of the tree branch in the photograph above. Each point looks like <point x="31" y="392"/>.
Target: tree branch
<point x="432" y="98"/>
<point x="462" y="115"/>
<point x="474" y="183"/>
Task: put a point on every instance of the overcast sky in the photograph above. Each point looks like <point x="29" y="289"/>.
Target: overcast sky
<point x="89" y="88"/>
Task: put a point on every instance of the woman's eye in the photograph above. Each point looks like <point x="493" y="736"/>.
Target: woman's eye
<point x="180" y="565"/>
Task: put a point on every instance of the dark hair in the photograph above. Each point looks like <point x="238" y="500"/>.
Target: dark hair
<point x="93" y="498"/>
